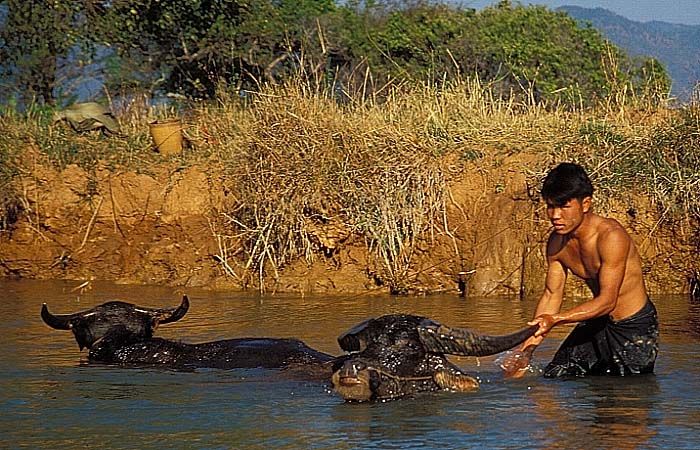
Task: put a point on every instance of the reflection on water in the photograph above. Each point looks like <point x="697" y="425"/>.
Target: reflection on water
<point x="52" y="398"/>
<point x="603" y="412"/>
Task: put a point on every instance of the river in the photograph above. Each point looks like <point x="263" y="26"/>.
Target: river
<point x="50" y="397"/>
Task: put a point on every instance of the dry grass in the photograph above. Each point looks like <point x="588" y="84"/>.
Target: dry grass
<point x="306" y="172"/>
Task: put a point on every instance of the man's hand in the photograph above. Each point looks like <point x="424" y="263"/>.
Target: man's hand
<point x="516" y="363"/>
<point x="545" y="322"/>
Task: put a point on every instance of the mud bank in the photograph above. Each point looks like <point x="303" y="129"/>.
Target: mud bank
<point x="165" y="226"/>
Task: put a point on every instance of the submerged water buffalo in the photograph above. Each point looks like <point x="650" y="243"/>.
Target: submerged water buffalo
<point x="122" y="333"/>
<point x="388" y="357"/>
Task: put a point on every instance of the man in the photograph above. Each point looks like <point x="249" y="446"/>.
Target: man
<point x="617" y="331"/>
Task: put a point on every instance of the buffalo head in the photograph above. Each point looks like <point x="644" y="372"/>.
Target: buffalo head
<point x="92" y="325"/>
<point x="397" y="355"/>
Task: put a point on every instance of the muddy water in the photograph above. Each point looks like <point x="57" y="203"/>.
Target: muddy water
<point x="51" y="398"/>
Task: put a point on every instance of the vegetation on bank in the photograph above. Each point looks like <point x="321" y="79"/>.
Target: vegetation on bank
<point x="335" y="121"/>
<point x="296" y="160"/>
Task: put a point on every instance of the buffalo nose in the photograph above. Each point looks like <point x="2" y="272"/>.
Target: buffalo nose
<point x="352" y="368"/>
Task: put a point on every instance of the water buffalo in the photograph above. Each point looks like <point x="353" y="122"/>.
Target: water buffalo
<point x="397" y="355"/>
<point x="122" y="333"/>
<point x="388" y="357"/>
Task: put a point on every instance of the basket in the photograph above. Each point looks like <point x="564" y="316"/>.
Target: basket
<point x="167" y="135"/>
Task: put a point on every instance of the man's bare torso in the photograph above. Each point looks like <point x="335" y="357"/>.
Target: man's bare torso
<point x="581" y="256"/>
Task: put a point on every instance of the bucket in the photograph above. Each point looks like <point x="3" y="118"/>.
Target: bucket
<point x="167" y="135"/>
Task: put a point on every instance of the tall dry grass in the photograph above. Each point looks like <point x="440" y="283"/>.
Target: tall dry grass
<point x="307" y="171"/>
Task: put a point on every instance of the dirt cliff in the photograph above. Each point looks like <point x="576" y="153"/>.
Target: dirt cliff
<point x="163" y="226"/>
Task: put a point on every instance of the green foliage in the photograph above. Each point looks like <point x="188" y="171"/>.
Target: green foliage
<point x="531" y="51"/>
<point x="650" y="80"/>
<point x="540" y="50"/>
<point x="35" y="41"/>
<point x="411" y="43"/>
<point x="193" y="45"/>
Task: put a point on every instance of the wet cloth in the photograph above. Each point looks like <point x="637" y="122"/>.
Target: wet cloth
<point x="603" y="346"/>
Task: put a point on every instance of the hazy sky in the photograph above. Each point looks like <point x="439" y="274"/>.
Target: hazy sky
<point x="673" y="11"/>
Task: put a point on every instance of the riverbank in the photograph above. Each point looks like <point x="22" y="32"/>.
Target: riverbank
<point x="295" y="193"/>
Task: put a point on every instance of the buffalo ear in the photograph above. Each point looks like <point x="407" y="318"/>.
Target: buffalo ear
<point x="83" y="335"/>
<point x="355" y="339"/>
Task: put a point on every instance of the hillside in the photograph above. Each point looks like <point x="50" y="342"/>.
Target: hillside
<point x="677" y="46"/>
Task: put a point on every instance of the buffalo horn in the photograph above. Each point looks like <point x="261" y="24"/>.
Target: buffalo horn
<point x="169" y="315"/>
<point x="462" y="342"/>
<point x="58" y="322"/>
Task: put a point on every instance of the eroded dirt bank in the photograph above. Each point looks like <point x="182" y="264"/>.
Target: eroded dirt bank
<point x="164" y="227"/>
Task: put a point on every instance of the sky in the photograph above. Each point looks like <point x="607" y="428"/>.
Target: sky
<point x="673" y="11"/>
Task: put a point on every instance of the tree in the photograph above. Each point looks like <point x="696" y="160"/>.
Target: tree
<point x="414" y="42"/>
<point x="538" y="51"/>
<point x="193" y="46"/>
<point x="190" y="46"/>
<point x="39" y="41"/>
<point x="530" y="51"/>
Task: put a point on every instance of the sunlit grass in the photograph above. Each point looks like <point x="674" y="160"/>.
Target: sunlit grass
<point x="305" y="171"/>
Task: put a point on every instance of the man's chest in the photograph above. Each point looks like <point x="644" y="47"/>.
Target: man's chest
<point x="581" y="259"/>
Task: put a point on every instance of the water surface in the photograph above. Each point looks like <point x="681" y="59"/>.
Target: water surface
<point x="50" y="397"/>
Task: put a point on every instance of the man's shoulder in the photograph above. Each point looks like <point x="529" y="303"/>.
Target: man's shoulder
<point x="607" y="226"/>
<point x="612" y="236"/>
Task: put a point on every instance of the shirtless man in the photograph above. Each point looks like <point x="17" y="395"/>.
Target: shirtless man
<point x="617" y="331"/>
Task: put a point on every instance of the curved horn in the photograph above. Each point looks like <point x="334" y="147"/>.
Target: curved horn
<point x="58" y="322"/>
<point x="458" y="341"/>
<point x="174" y="314"/>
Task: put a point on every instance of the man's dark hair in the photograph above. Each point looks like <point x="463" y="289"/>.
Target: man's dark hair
<point x="566" y="182"/>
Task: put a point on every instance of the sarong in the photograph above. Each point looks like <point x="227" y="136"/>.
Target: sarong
<point x="602" y="346"/>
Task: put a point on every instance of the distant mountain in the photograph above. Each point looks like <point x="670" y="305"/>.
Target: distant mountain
<point x="676" y="46"/>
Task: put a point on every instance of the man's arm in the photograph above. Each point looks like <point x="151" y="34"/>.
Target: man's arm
<point x="514" y="364"/>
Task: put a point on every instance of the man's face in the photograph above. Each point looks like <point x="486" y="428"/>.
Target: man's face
<point x="568" y="217"/>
